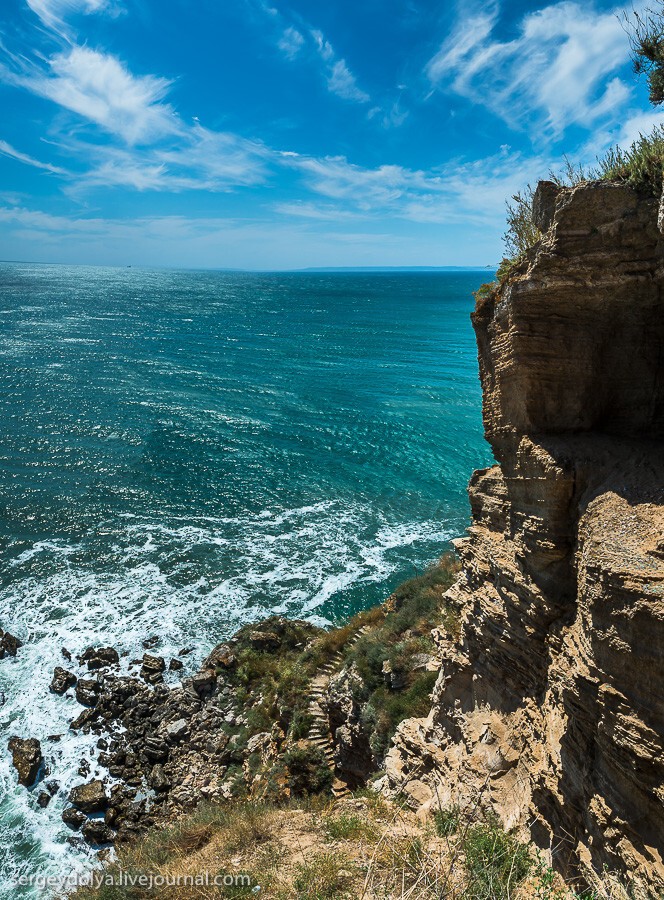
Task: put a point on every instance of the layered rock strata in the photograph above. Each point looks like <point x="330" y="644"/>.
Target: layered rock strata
<point x="549" y="708"/>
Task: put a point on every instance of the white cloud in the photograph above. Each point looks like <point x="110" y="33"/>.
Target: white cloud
<point x="157" y="150"/>
<point x="324" y="47"/>
<point x="461" y="49"/>
<point x="319" y="212"/>
<point x="199" y="160"/>
<point x="291" y="42"/>
<point x="293" y="36"/>
<point x="636" y="125"/>
<point x="340" y="79"/>
<point x="10" y="151"/>
<point x="341" y="82"/>
<point x="472" y="192"/>
<point x="54" y="12"/>
<point x="556" y="70"/>
<point x="100" y="88"/>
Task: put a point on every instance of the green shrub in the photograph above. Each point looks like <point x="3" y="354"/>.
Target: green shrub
<point x="496" y="862"/>
<point x="447" y="820"/>
<point x="646" y="33"/>
<point x="641" y="165"/>
<point x="300" y="724"/>
<point x="347" y="827"/>
<point x="309" y="772"/>
<point x="522" y="233"/>
<point x="387" y="709"/>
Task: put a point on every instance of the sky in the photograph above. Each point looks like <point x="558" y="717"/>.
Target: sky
<point x="276" y="135"/>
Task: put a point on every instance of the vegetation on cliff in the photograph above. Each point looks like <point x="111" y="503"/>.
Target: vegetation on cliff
<point x="646" y="30"/>
<point x="640" y="165"/>
<point x="361" y="847"/>
<point x="389" y="647"/>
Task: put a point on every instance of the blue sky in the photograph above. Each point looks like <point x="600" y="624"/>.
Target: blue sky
<point x="258" y="134"/>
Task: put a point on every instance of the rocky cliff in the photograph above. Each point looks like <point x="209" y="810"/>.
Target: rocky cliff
<point x="549" y="706"/>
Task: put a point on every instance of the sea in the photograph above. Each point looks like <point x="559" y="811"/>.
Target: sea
<point x="183" y="452"/>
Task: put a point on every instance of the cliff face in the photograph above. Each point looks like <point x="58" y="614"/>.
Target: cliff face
<point x="550" y="705"/>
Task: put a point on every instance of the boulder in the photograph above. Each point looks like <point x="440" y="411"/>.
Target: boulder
<point x="83" y="720"/>
<point x="98" y="657"/>
<point x="155" y="748"/>
<point x="264" y="641"/>
<point x="27" y="759"/>
<point x="204" y="681"/>
<point x="152" y="668"/>
<point x="90" y="797"/>
<point x="176" y="731"/>
<point x="73" y="818"/>
<point x="222" y="657"/>
<point x="175" y="665"/>
<point x="87" y="691"/>
<point x="158" y="779"/>
<point x="96" y="831"/>
<point x="62" y="680"/>
<point x="9" y="645"/>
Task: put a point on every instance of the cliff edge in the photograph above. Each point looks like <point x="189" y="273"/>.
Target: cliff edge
<point x="549" y="707"/>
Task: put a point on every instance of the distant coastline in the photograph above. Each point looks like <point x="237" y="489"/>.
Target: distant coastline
<point x="375" y="269"/>
<point x="357" y="270"/>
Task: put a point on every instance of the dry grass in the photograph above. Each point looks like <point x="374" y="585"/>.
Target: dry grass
<point x="361" y="848"/>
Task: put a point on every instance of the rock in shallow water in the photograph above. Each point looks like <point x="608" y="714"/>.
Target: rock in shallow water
<point x="90" y="797"/>
<point x="62" y="680"/>
<point x="73" y="818"/>
<point x="27" y="759"/>
<point x="96" y="831"/>
<point x="87" y="691"/>
<point x="153" y="668"/>
<point x="9" y="645"/>
<point x="99" y="657"/>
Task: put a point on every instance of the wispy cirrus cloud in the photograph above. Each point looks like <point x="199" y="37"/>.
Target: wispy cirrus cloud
<point x="100" y="88"/>
<point x="54" y="13"/>
<point x="157" y="150"/>
<point x="455" y="192"/>
<point x="291" y="42"/>
<point x="7" y="150"/>
<point x="200" y="160"/>
<point x="295" y="38"/>
<point x="559" y="70"/>
<point x="340" y="80"/>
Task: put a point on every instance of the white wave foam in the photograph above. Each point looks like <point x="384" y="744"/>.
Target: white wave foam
<point x="151" y="583"/>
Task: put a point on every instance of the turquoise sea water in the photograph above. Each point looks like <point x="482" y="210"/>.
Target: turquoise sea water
<point x="183" y="452"/>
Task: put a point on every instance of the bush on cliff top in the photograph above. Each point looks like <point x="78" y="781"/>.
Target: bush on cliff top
<point x="646" y="31"/>
<point x="641" y="166"/>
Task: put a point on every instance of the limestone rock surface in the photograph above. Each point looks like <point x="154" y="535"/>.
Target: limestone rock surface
<point x="549" y="708"/>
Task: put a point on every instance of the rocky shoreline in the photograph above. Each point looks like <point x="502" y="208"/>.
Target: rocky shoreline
<point x="281" y="710"/>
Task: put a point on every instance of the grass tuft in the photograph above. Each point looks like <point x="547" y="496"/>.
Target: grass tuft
<point x="324" y="877"/>
<point x="496" y="862"/>
<point x="447" y="820"/>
